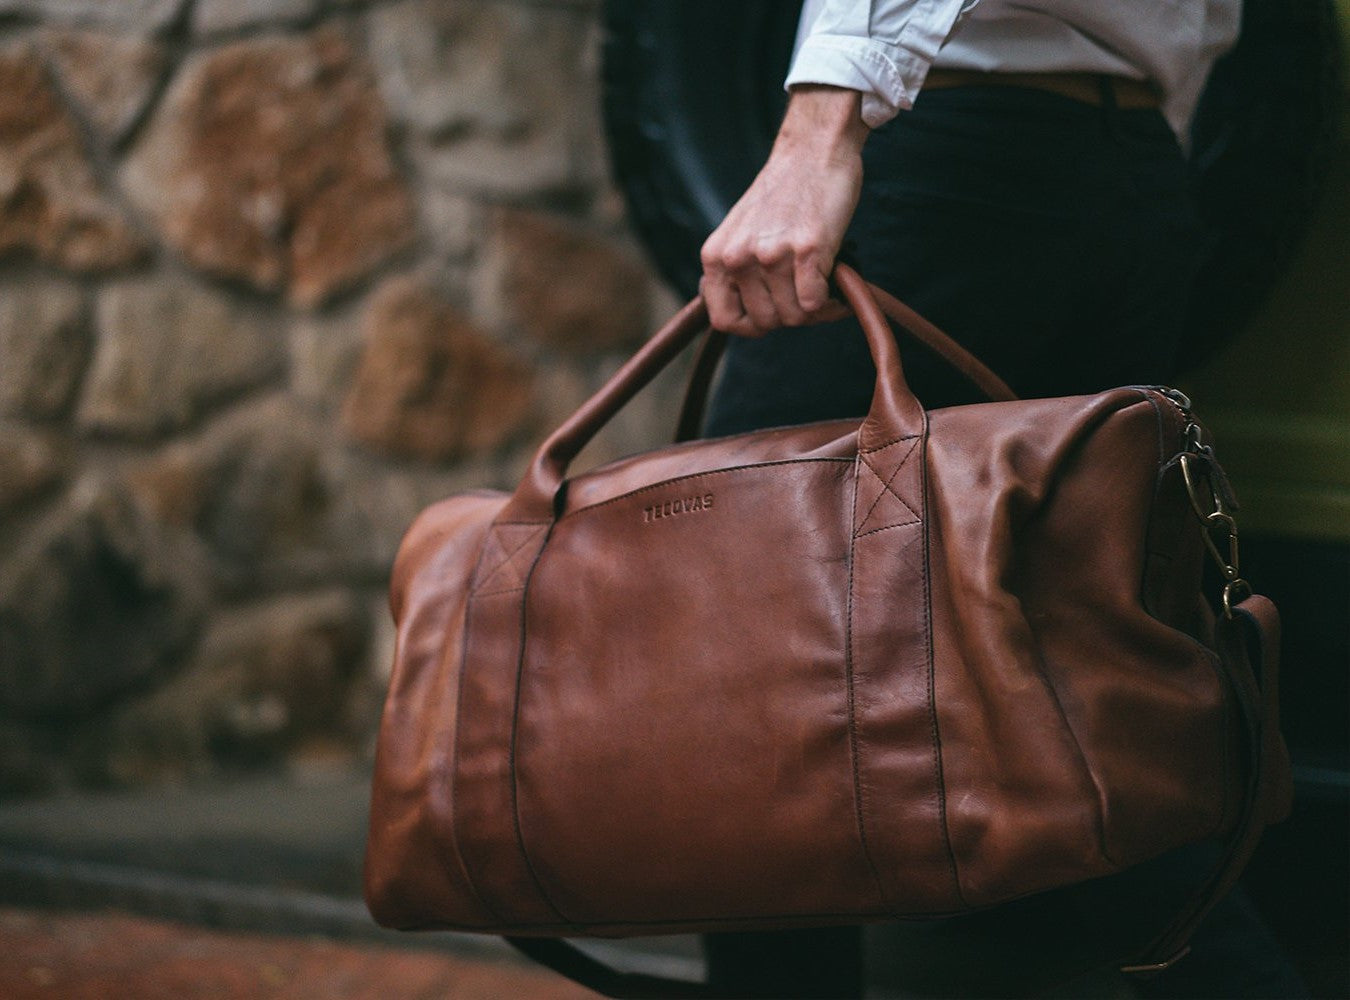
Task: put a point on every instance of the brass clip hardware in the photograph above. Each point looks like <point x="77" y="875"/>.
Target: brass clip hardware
<point x="1215" y="504"/>
<point x="1214" y="519"/>
<point x="1229" y="589"/>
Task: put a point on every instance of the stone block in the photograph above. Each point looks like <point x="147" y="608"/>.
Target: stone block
<point x="500" y="98"/>
<point x="98" y="602"/>
<point x="212" y="16"/>
<point x="266" y="162"/>
<point x="109" y="77"/>
<point x="44" y="346"/>
<point x="31" y="462"/>
<point x="280" y="504"/>
<point x="455" y="224"/>
<point x="431" y="385"/>
<point x="566" y="287"/>
<point x="251" y="486"/>
<point x="325" y="351"/>
<point x="300" y="650"/>
<point x="264" y="678"/>
<point x="139" y="15"/>
<point x="51" y="206"/>
<point x="168" y="349"/>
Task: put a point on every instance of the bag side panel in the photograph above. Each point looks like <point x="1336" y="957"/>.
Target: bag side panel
<point x="1021" y="805"/>
<point x="1148" y="704"/>
<point x="1080" y="734"/>
<point x="721" y="785"/>
<point x="413" y="873"/>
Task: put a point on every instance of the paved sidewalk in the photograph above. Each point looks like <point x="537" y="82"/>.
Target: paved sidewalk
<point x="47" y="955"/>
<point x="248" y="888"/>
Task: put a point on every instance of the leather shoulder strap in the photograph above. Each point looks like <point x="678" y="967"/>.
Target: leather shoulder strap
<point x="1249" y="650"/>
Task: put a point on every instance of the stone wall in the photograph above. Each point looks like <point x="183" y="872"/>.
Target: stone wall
<point x="274" y="275"/>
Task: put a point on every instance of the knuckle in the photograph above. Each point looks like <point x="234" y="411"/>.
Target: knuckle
<point x="770" y="255"/>
<point x="812" y="298"/>
<point x="738" y="258"/>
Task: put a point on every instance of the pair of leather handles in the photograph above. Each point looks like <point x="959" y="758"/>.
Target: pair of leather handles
<point x="895" y="410"/>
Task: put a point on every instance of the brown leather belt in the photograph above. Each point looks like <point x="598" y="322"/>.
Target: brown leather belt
<point x="1089" y="88"/>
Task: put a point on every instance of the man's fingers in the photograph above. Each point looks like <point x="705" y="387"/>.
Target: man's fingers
<point x="758" y="302"/>
<point x="810" y="275"/>
<point x="752" y="291"/>
<point x="782" y="287"/>
<point x="813" y="291"/>
<point x="722" y="300"/>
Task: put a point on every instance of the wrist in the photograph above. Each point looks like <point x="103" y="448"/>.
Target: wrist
<point x="823" y="120"/>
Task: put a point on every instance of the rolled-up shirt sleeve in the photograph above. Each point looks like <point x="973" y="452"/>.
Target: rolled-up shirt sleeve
<point x="882" y="48"/>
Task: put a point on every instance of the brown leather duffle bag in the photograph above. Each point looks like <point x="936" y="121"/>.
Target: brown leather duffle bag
<point x="913" y="665"/>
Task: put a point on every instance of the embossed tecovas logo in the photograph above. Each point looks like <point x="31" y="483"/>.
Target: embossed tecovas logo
<point x="680" y="505"/>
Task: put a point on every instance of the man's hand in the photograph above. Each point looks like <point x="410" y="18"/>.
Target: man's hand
<point x="768" y="264"/>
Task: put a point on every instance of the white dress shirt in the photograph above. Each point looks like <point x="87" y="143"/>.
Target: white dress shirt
<point x="884" y="48"/>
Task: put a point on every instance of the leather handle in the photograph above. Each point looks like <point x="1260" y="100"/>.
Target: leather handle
<point x="972" y="368"/>
<point x="895" y="411"/>
<point x="928" y="334"/>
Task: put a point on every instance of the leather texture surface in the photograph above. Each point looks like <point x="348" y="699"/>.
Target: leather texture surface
<point x="908" y="666"/>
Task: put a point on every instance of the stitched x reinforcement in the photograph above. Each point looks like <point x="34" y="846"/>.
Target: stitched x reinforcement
<point x="507" y="547"/>
<point x="887" y="509"/>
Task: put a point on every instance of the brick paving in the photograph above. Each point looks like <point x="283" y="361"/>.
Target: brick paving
<point x="49" y="955"/>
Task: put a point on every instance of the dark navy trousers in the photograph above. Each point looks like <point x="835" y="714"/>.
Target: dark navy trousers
<point x="1058" y="241"/>
<point x="1055" y="239"/>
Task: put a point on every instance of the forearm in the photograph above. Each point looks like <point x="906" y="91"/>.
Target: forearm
<point x="823" y="123"/>
<point x="768" y="263"/>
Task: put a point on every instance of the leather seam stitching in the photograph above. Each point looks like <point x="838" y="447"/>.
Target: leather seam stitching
<point x="858" y="809"/>
<point x="510" y="557"/>
<point x="935" y="732"/>
<point x="456" y="816"/>
<point x="667" y="483"/>
<point x="506" y="590"/>
<point x="515" y="736"/>
<point x="886" y="488"/>
<point x="888" y="527"/>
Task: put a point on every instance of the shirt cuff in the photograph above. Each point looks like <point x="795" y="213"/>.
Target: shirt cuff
<point x="888" y="78"/>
